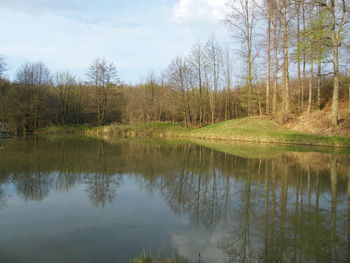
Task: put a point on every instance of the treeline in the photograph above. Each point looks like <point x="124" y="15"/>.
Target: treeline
<point x="288" y="57"/>
<point x="37" y="98"/>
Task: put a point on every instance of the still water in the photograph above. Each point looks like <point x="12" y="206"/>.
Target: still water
<point x="75" y="199"/>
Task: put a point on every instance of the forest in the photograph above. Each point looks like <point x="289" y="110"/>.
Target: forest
<point x="285" y="58"/>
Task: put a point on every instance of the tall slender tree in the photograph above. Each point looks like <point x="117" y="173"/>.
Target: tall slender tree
<point x="197" y="63"/>
<point x="275" y="24"/>
<point x="242" y="20"/>
<point x="103" y="76"/>
<point x="213" y="57"/>
<point x="269" y="8"/>
<point x="285" y="78"/>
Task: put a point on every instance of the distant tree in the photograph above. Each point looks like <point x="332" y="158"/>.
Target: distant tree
<point x="196" y="61"/>
<point x="228" y="78"/>
<point x="3" y="66"/>
<point x="31" y="101"/>
<point x="178" y="77"/>
<point x="103" y="76"/>
<point x="213" y="61"/>
<point x="34" y="74"/>
<point x="65" y="84"/>
<point x="4" y="87"/>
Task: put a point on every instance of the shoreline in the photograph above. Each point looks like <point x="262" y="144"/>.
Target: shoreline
<point x="250" y="130"/>
<point x="241" y="130"/>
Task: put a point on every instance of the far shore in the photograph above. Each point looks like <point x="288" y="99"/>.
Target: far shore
<point x="245" y="130"/>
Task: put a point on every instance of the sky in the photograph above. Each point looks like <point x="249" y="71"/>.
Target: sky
<point x="139" y="36"/>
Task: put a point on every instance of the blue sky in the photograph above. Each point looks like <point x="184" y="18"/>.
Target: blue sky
<point x="138" y="36"/>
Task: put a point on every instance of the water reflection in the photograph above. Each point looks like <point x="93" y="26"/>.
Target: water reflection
<point x="287" y="207"/>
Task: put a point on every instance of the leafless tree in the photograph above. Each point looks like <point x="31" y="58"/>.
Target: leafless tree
<point x="65" y="83"/>
<point x="242" y="20"/>
<point x="196" y="62"/>
<point x="103" y="76"/>
<point x="213" y="61"/>
<point x="3" y="66"/>
<point x="34" y="74"/>
<point x="179" y="74"/>
<point x="338" y="11"/>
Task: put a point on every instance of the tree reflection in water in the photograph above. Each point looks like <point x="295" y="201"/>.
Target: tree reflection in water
<point x="281" y="206"/>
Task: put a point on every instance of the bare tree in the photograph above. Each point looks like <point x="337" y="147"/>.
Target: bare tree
<point x="241" y="20"/>
<point x="268" y="8"/>
<point x="298" y="56"/>
<point x="3" y="66"/>
<point x="178" y="74"/>
<point x="304" y="56"/>
<point x="275" y="24"/>
<point x="285" y="78"/>
<point x="213" y="58"/>
<point x="35" y="74"/>
<point x="65" y="83"/>
<point x="338" y="12"/>
<point x="228" y="73"/>
<point x="196" y="62"/>
<point x="31" y="100"/>
<point x="103" y="76"/>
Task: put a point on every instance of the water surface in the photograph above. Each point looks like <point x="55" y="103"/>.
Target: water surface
<point x="76" y="199"/>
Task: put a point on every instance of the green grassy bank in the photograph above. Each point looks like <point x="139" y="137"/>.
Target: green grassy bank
<point x="64" y="129"/>
<point x="246" y="129"/>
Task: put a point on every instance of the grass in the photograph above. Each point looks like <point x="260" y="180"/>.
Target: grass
<point x="150" y="129"/>
<point x="64" y="129"/>
<point x="246" y="129"/>
<point x="256" y="130"/>
<point x="145" y="258"/>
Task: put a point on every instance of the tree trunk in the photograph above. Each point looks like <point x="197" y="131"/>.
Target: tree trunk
<point x="304" y="60"/>
<point x="249" y="57"/>
<point x="299" y="57"/>
<point x="275" y="55"/>
<point x="335" y="102"/>
<point x="259" y="102"/>
<point x="250" y="84"/>
<point x="319" y="72"/>
<point x="268" y="77"/>
<point x="311" y="82"/>
<point x="200" y="99"/>
<point x="285" y="60"/>
<point x="335" y="43"/>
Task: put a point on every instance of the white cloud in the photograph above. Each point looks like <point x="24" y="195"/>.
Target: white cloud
<point x="191" y="11"/>
<point x="189" y="243"/>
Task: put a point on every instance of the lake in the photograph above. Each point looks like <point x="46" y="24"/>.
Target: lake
<point x="78" y="199"/>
